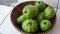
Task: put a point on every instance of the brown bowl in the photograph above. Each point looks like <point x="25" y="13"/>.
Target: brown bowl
<point x="17" y="11"/>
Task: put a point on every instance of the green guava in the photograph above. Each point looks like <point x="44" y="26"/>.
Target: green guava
<point x="49" y="13"/>
<point x="45" y="25"/>
<point x="30" y="11"/>
<point x="30" y="26"/>
<point x="40" y="5"/>
<point x="40" y="17"/>
<point x="20" y="19"/>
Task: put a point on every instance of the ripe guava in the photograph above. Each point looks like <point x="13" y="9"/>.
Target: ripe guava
<point x="40" y="5"/>
<point x="45" y="25"/>
<point x="30" y="25"/>
<point x="49" y="13"/>
<point x="20" y="19"/>
<point x="40" y="17"/>
<point x="30" y="11"/>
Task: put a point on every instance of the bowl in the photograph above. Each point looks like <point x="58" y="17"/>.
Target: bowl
<point x="17" y="11"/>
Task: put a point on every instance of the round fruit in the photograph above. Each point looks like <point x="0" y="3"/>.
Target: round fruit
<point x="40" y="5"/>
<point x="49" y="13"/>
<point x="21" y="19"/>
<point x="45" y="25"/>
<point x="30" y="11"/>
<point x="40" y="17"/>
<point x="30" y="25"/>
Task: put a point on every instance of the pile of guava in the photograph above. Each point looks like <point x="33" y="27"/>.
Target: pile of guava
<point x="36" y="16"/>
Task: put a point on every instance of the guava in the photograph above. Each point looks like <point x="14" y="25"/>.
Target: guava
<point x="40" y="17"/>
<point x="45" y="25"/>
<point x="30" y="11"/>
<point x="30" y="26"/>
<point x="21" y="19"/>
<point x="40" y="5"/>
<point x="49" y="13"/>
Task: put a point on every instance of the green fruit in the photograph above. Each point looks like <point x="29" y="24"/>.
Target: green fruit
<point x="40" y="17"/>
<point x="21" y="19"/>
<point x="49" y="13"/>
<point x="40" y="5"/>
<point x="30" y="11"/>
<point x="45" y="25"/>
<point x="30" y="25"/>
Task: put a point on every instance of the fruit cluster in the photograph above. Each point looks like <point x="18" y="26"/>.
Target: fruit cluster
<point x="35" y="17"/>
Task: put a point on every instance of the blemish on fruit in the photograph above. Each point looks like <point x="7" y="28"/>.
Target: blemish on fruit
<point x="38" y="2"/>
<point x="25" y="12"/>
<point x="44" y="23"/>
<point x="30" y="23"/>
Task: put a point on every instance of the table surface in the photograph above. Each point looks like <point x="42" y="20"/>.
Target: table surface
<point x="7" y="28"/>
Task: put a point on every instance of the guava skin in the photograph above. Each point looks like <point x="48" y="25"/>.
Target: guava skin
<point x="30" y="26"/>
<point x="30" y="11"/>
<point x="49" y="13"/>
<point x="40" y="5"/>
<point x="45" y="25"/>
<point x="40" y="17"/>
<point x="21" y="19"/>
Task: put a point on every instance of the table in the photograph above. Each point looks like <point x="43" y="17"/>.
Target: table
<point x="7" y="28"/>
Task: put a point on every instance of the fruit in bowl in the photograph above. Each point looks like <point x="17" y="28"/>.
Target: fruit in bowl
<point x="40" y="16"/>
<point x="49" y="13"/>
<point x="30" y="25"/>
<point x="40" y="5"/>
<point x="45" y="24"/>
<point x="24" y="17"/>
<point x="30" y="11"/>
<point x="21" y="19"/>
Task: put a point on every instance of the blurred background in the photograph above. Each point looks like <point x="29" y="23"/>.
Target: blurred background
<point x="11" y="2"/>
<point x="7" y="2"/>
